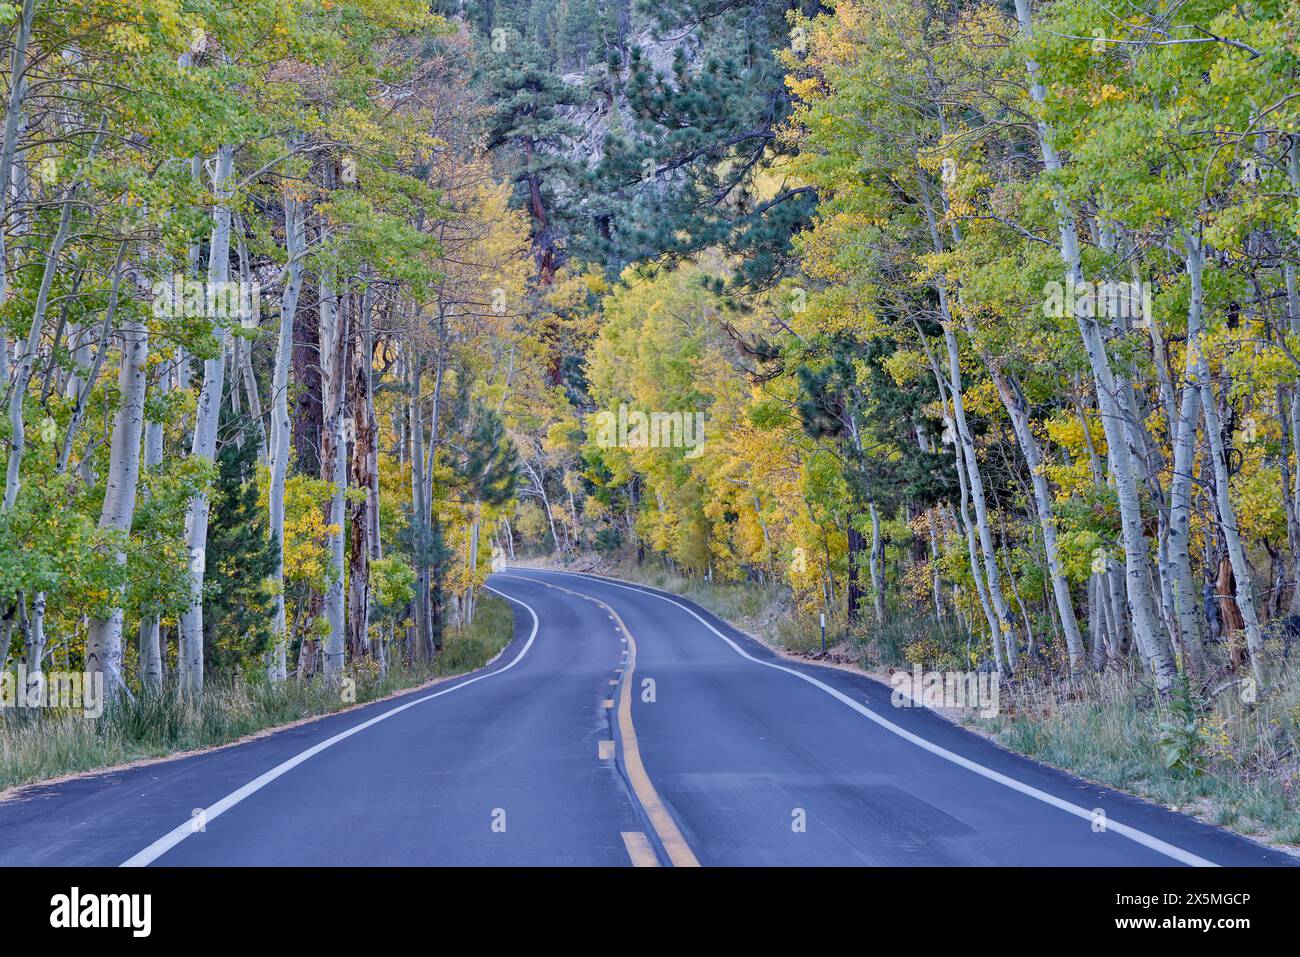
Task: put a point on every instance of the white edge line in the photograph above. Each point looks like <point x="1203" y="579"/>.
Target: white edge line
<point x="1132" y="833"/>
<point x="182" y="831"/>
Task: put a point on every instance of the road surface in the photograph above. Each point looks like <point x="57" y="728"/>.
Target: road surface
<point x="621" y="726"/>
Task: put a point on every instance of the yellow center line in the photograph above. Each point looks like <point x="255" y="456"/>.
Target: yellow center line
<point x="639" y="849"/>
<point x="670" y="836"/>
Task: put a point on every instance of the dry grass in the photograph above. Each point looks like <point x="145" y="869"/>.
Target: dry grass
<point x="36" y="746"/>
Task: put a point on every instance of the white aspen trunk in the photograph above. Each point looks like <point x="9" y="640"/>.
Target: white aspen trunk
<point x="932" y="524"/>
<point x="104" y="640"/>
<point x="1223" y="499"/>
<point x="472" y="561"/>
<point x="1151" y="638"/>
<point x="1293" y="312"/>
<point x="333" y="340"/>
<point x="35" y="649"/>
<point x="254" y="403"/>
<point x="1006" y="626"/>
<point x="966" y="528"/>
<point x="1006" y="630"/>
<point x="9" y="150"/>
<point x="204" y="447"/>
<point x="1119" y="624"/>
<point x="28" y="351"/>
<point x="243" y="351"/>
<point x="972" y="551"/>
<point x="295" y="242"/>
<point x="1147" y="462"/>
<point x="1014" y="401"/>
<point x="150" y="648"/>
<point x="1113" y="600"/>
<point x="419" y="517"/>
<point x="235" y="363"/>
<point x="877" y="565"/>
<point x="936" y="583"/>
<point x="435" y="416"/>
<point x="83" y="393"/>
<point x="372" y="450"/>
<point x="1184" y="593"/>
<point x="1097" y="619"/>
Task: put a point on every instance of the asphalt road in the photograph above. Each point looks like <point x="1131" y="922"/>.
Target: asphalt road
<point x="621" y="726"/>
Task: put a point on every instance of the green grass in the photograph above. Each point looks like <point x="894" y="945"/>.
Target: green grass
<point x="1244" y="774"/>
<point x="475" y="646"/>
<point x="730" y="600"/>
<point x="36" y="746"/>
<point x="766" y="609"/>
<point x="770" y="610"/>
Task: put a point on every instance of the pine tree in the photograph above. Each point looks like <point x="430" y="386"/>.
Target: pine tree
<point x="526" y="122"/>
<point x="237" y="602"/>
<point x="701" y="136"/>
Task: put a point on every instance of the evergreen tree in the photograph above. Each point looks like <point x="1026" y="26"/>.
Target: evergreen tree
<point x="237" y="601"/>
<point x="527" y="97"/>
<point x="701" y="136"/>
<point x="852" y="401"/>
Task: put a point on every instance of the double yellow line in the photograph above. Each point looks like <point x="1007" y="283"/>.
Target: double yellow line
<point x="670" y="836"/>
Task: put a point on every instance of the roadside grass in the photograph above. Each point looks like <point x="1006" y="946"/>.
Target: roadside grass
<point x="470" y="648"/>
<point x="729" y="600"/>
<point x="1227" y="761"/>
<point x="36" y="746"/>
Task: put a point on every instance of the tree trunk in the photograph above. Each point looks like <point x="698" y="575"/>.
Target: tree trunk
<point x="360" y="530"/>
<point x="305" y="373"/>
<point x="1017" y="408"/>
<point x="295" y="243"/>
<point x="1293" y="315"/>
<point x="1223" y="500"/>
<point x="472" y="560"/>
<point x="1152" y="640"/>
<point x="419" y="513"/>
<point x="150" y="648"/>
<point x="9" y="150"/>
<point x="1006" y="627"/>
<point x="104" y="640"/>
<point x="856" y="546"/>
<point x="966" y="526"/>
<point x="190" y="649"/>
<point x="28" y="351"/>
<point x="334" y="317"/>
<point x="877" y="566"/>
<point x="1183" y="588"/>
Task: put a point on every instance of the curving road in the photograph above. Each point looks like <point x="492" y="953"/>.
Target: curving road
<point x="621" y="726"/>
